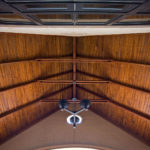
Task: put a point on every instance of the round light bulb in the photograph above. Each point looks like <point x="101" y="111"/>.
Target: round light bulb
<point x="70" y="119"/>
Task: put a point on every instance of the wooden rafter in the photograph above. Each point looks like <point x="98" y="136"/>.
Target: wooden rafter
<point x="74" y="69"/>
<point x="74" y="82"/>
<point x="111" y="81"/>
<point x="68" y="63"/>
<point x="77" y="101"/>
<point x="78" y="59"/>
<point x="32" y="102"/>
<point x="120" y="126"/>
<point x="118" y="104"/>
<point x="26" y="127"/>
<point x="33" y="81"/>
<point x="75" y="59"/>
<point x="61" y="60"/>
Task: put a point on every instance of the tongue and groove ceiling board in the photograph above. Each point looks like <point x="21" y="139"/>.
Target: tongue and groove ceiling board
<point x="129" y="76"/>
<point x="20" y="92"/>
<point x="128" y="73"/>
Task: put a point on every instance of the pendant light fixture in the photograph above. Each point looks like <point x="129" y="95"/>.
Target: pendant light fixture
<point x="74" y="119"/>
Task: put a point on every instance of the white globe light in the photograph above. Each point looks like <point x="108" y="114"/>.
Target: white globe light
<point x="78" y="119"/>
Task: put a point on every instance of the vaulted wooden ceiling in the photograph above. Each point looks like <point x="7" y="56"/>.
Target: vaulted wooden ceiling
<point x="38" y="70"/>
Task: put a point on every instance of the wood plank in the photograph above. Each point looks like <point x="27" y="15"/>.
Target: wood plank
<point x="74" y="69"/>
<point x="133" y="124"/>
<point x="17" y="104"/>
<point x="29" y="46"/>
<point x="118" y="104"/>
<point x="74" y="82"/>
<point x="127" y="47"/>
<point x="31" y="103"/>
<point x="129" y="66"/>
<point x="77" y="101"/>
<point x="21" y="120"/>
<point x="130" y="74"/>
<point x="34" y="81"/>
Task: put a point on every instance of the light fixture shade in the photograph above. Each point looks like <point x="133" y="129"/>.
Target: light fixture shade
<point x="74" y="120"/>
<point x="85" y="104"/>
<point x="63" y="104"/>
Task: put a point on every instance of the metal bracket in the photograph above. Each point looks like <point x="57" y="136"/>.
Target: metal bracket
<point x="74" y="99"/>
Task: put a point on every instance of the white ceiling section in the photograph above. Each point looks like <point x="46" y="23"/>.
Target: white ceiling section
<point x="75" y="31"/>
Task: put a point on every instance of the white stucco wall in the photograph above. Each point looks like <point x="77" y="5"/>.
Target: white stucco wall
<point x="75" y="30"/>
